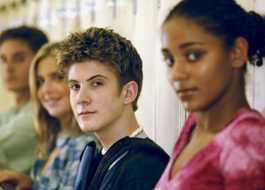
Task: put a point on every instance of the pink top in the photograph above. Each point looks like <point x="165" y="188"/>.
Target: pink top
<point x="233" y="160"/>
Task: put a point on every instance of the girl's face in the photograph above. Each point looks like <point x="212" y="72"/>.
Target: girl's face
<point x="200" y="70"/>
<point x="53" y="91"/>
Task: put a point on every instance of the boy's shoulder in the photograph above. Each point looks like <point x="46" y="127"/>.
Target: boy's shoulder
<point x="137" y="162"/>
<point x="142" y="156"/>
<point x="136" y="147"/>
<point x="146" y="147"/>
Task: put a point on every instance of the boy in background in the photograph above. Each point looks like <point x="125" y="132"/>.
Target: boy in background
<point x="17" y="138"/>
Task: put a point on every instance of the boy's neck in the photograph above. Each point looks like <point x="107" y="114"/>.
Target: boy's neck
<point x="21" y="99"/>
<point x="124" y="126"/>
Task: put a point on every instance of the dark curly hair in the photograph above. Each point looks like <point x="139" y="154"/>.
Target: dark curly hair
<point x="227" y="20"/>
<point x="32" y="36"/>
<point x="107" y="47"/>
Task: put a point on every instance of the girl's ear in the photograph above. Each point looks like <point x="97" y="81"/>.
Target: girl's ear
<point x="129" y="92"/>
<point x="239" y="53"/>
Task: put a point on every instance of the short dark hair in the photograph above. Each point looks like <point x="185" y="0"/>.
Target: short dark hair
<point x="107" y="47"/>
<point x="226" y="20"/>
<point x="33" y="36"/>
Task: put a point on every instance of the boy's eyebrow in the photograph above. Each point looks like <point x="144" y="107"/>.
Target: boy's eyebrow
<point x="89" y="79"/>
<point x="96" y="76"/>
<point x="20" y="53"/>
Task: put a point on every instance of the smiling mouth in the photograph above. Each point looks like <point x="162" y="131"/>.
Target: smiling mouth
<point x="51" y="102"/>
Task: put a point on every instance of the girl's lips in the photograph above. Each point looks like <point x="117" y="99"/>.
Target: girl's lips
<point x="52" y="102"/>
<point x="185" y="92"/>
<point x="182" y="89"/>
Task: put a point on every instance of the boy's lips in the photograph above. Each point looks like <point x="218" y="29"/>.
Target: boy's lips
<point x="86" y="113"/>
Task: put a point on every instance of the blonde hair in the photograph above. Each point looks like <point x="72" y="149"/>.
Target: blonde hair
<point x="46" y="126"/>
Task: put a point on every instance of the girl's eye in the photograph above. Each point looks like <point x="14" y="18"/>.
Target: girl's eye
<point x="39" y="82"/>
<point x="74" y="87"/>
<point x="193" y="56"/>
<point x="169" y="61"/>
<point x="59" y="77"/>
<point x="168" y="58"/>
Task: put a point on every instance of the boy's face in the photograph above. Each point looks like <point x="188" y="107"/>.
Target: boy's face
<point x="15" y="58"/>
<point x="95" y="96"/>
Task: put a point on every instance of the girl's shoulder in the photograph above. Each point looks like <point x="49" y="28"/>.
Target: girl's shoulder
<point x="81" y="140"/>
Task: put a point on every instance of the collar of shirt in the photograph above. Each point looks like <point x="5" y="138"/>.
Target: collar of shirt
<point x="135" y="133"/>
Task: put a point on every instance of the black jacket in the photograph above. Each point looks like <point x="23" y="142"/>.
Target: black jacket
<point x="130" y="164"/>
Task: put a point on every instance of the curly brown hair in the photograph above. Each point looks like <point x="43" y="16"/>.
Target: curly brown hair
<point x="106" y="47"/>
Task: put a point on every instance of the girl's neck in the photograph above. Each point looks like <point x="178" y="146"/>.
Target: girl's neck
<point x="66" y="125"/>
<point x="222" y="112"/>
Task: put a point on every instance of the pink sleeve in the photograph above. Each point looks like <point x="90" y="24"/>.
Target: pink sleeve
<point x="243" y="157"/>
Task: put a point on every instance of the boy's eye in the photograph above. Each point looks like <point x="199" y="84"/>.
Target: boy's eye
<point x="74" y="87"/>
<point x="19" y="58"/>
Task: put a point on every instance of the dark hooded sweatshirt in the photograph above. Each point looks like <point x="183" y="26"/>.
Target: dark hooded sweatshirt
<point x="129" y="164"/>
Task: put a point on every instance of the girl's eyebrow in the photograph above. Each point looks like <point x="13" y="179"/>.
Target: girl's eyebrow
<point x="189" y="44"/>
<point x="183" y="46"/>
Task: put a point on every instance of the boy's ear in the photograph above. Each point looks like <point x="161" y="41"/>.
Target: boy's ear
<point x="239" y="53"/>
<point x="129" y="92"/>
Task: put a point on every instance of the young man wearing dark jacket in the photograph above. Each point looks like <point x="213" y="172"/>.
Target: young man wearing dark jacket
<point x="104" y="73"/>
